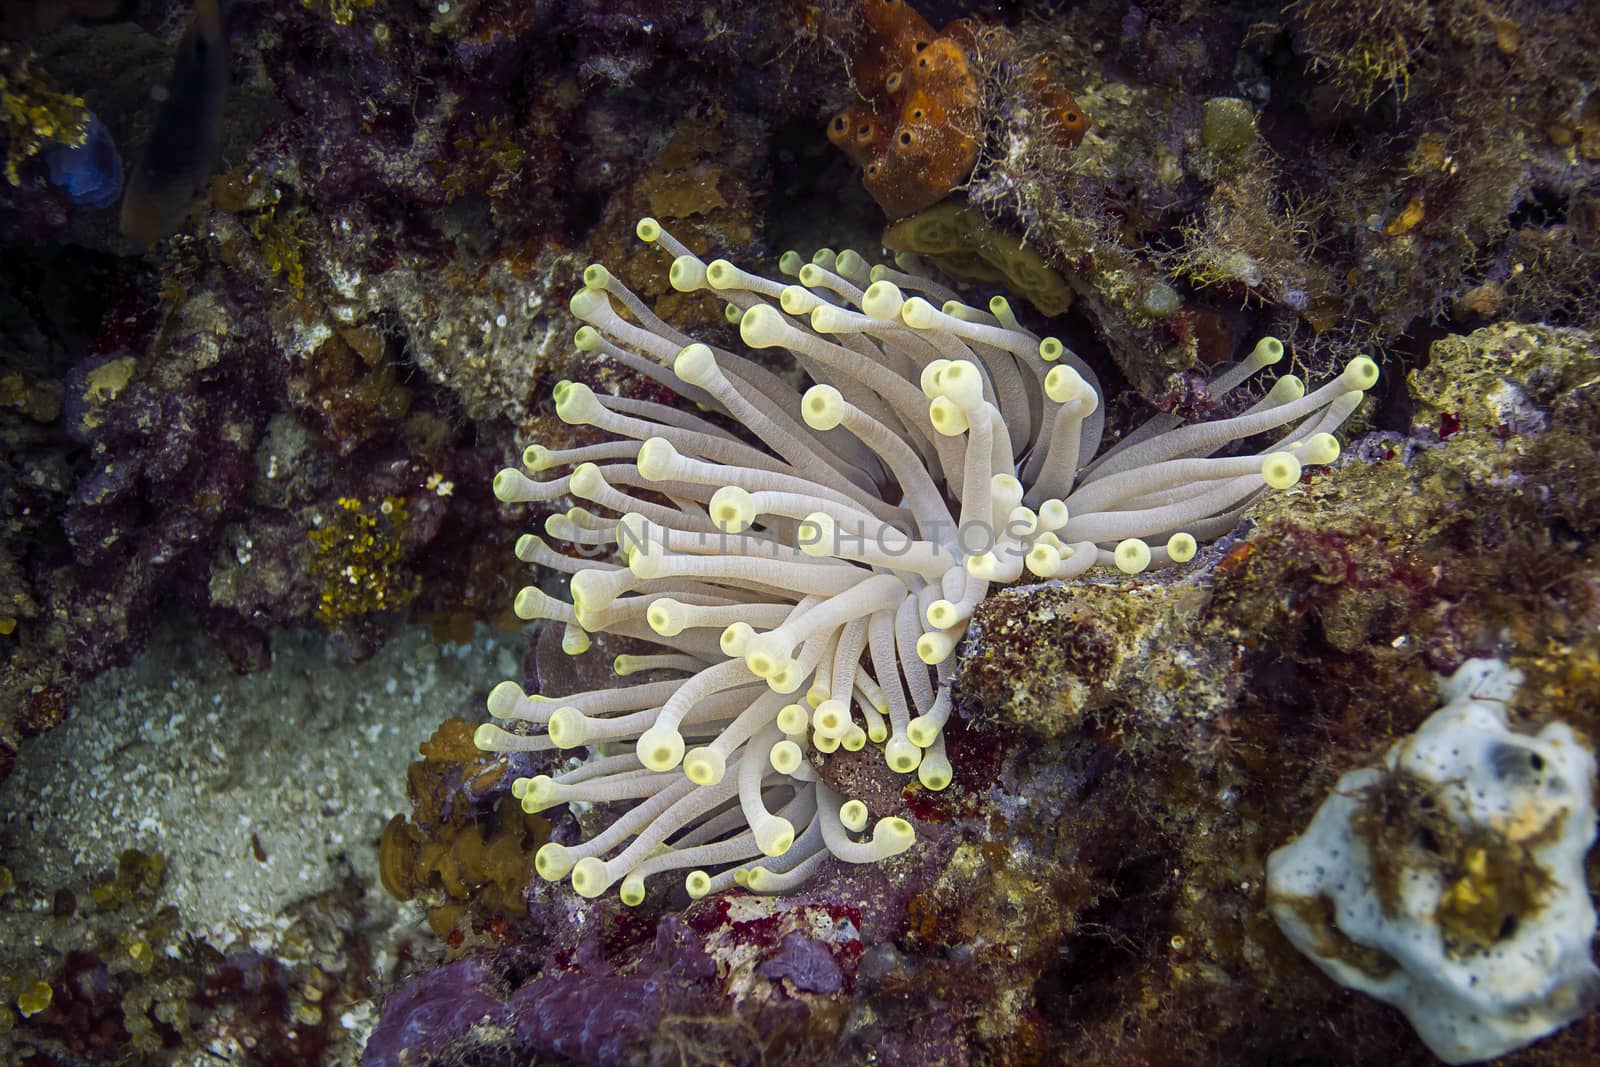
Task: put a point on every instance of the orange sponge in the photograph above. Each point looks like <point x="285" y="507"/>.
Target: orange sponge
<point x="915" y="134"/>
<point x="917" y="131"/>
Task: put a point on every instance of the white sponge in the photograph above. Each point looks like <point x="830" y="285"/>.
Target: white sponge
<point x="1449" y="881"/>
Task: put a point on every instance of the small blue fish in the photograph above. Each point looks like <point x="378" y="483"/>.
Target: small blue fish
<point x="91" y="173"/>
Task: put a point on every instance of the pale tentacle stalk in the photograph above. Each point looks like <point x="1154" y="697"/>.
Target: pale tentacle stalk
<point x="810" y="573"/>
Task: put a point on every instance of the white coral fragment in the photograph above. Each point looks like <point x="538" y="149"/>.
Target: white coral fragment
<point x="1449" y="882"/>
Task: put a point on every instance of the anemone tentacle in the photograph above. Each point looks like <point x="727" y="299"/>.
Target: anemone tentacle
<point x="810" y="577"/>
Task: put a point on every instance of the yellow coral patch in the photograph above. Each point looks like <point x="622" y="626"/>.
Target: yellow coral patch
<point x="106" y="382"/>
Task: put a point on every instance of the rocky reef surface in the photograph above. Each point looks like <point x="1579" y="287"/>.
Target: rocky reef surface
<point x="264" y="445"/>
